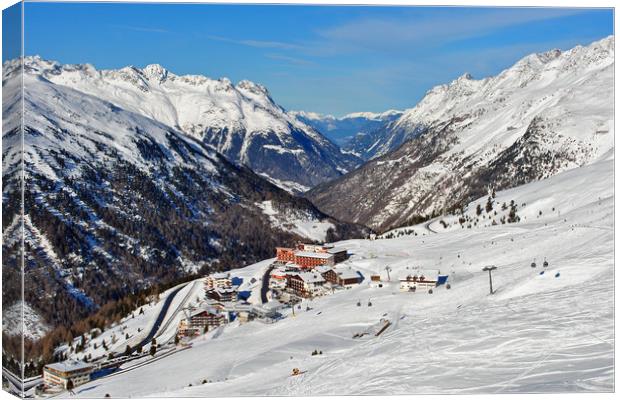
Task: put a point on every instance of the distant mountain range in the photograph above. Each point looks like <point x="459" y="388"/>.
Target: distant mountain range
<point x="357" y="133"/>
<point x="548" y="113"/>
<point x="240" y="121"/>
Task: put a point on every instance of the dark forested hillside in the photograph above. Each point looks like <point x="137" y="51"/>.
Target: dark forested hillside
<point x="116" y="203"/>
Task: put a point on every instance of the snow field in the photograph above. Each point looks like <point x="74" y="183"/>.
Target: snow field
<point x="536" y="333"/>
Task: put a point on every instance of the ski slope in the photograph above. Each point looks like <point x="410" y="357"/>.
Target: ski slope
<point x="537" y="333"/>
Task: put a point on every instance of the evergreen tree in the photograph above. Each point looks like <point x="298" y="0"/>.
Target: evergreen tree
<point x="512" y="215"/>
<point x="489" y="206"/>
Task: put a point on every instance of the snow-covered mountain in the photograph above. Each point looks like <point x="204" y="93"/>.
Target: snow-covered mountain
<point x="116" y="201"/>
<point x="548" y="113"/>
<point x="241" y="121"/>
<point x="354" y="132"/>
<point x="544" y="330"/>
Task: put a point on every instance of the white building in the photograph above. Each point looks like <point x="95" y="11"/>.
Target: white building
<point x="59" y="374"/>
<point x="306" y="284"/>
<point x="314" y="248"/>
<point x="218" y="280"/>
<point x="278" y="277"/>
<point x="417" y="280"/>
<point x="268" y="312"/>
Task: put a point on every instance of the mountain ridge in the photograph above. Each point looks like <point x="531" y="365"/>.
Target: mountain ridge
<point x="547" y="113"/>
<point x="240" y="120"/>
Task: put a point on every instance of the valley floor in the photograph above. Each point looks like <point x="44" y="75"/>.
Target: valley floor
<point x="538" y="333"/>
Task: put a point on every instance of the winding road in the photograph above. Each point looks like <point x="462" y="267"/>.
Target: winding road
<point x="427" y="225"/>
<point x="179" y="308"/>
<point x="159" y="320"/>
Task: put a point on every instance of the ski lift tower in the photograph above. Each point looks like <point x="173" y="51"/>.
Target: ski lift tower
<point x="388" y="269"/>
<point x="490" y="268"/>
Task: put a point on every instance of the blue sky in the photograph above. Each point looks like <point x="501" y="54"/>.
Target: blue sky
<point x="11" y="31"/>
<point x="329" y="59"/>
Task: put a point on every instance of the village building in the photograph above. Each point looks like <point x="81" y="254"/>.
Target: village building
<point x="339" y="254"/>
<point x="307" y="259"/>
<point x="59" y="374"/>
<point x="196" y="322"/>
<point x="314" y="248"/>
<point x="245" y="316"/>
<point x="311" y="255"/>
<point x="218" y="280"/>
<point x="278" y="278"/>
<point x="268" y="312"/>
<point x="375" y="281"/>
<point x="419" y="280"/>
<point x="328" y="273"/>
<point x="285" y="254"/>
<point x="222" y="294"/>
<point x="305" y="284"/>
<point x="348" y="276"/>
<point x="339" y="276"/>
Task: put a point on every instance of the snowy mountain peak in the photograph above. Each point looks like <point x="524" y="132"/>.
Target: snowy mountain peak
<point x="464" y="78"/>
<point x="312" y="116"/>
<point x="373" y="115"/>
<point x="156" y="71"/>
<point x="252" y="87"/>
<point x="241" y="121"/>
